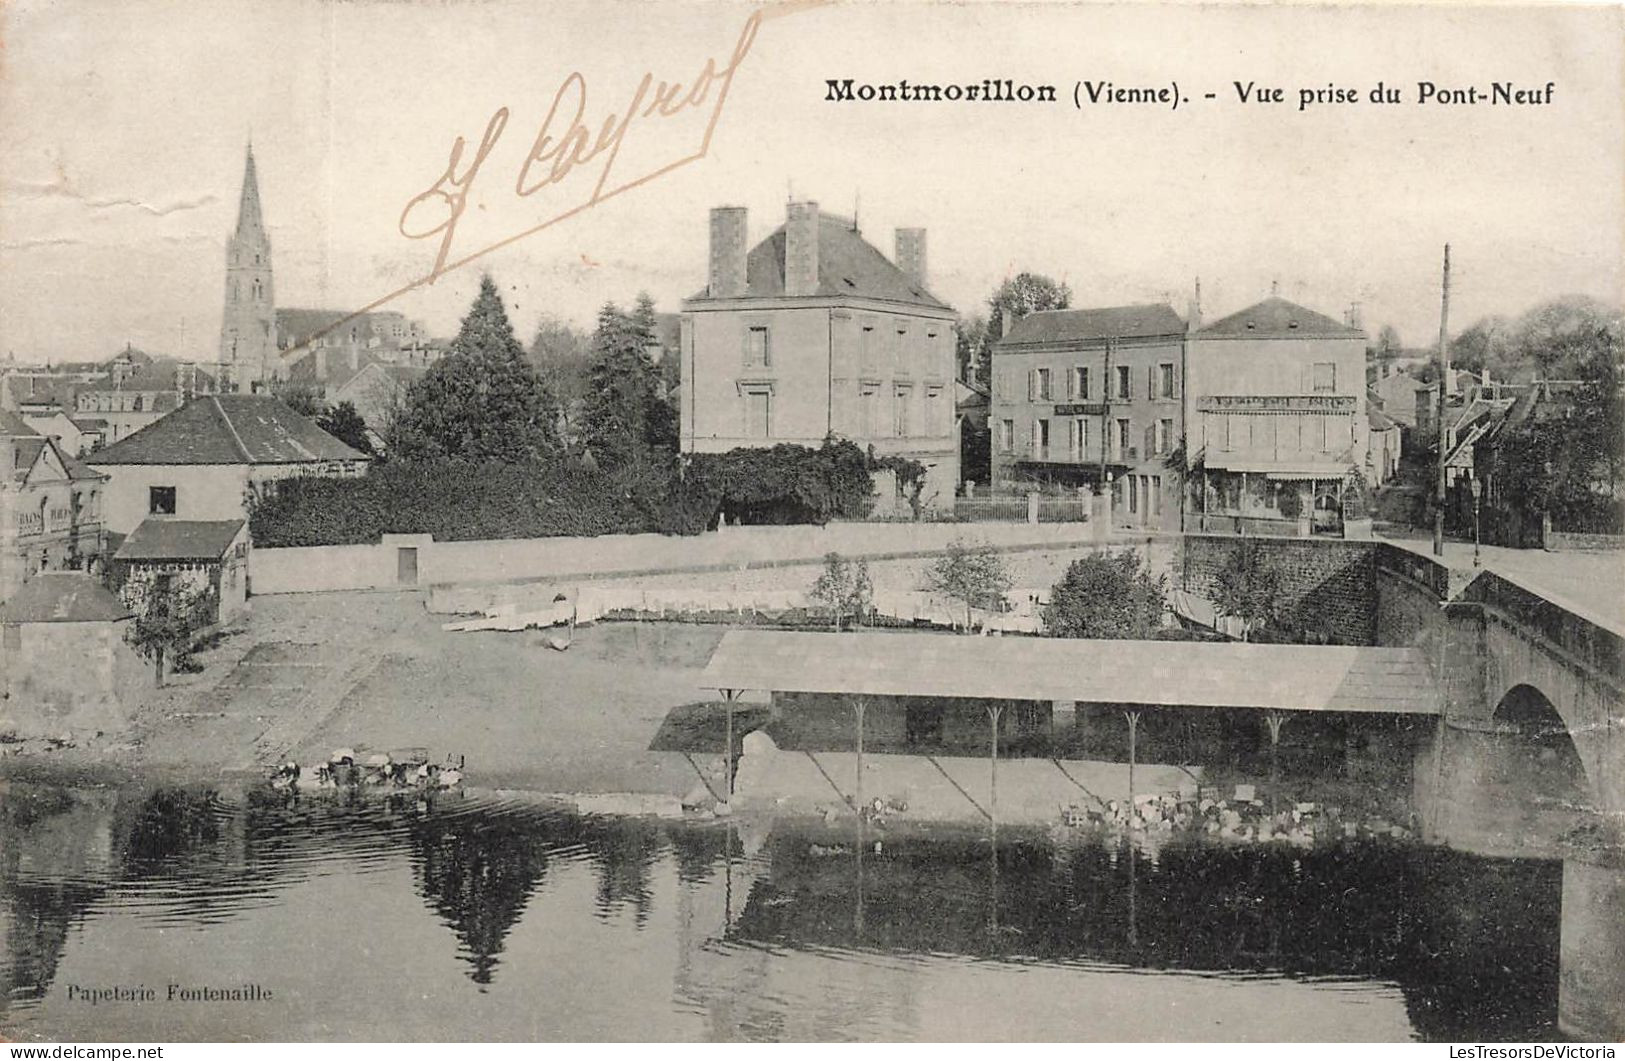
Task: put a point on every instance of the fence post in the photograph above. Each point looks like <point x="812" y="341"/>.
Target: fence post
<point x="1032" y="508"/>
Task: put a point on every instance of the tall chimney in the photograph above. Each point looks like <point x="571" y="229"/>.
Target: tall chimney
<point x="1193" y="312"/>
<point x="727" y="277"/>
<point x="801" y="250"/>
<point x="911" y="255"/>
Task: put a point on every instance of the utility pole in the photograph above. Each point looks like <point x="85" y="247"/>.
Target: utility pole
<point x="1444" y="387"/>
<point x="1105" y="420"/>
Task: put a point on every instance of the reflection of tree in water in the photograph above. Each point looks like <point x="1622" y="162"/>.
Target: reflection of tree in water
<point x="699" y="850"/>
<point x="1482" y="961"/>
<point x="478" y="873"/>
<point x="1471" y="961"/>
<point x="169" y="827"/>
<point x="52" y="829"/>
<point x="622" y="851"/>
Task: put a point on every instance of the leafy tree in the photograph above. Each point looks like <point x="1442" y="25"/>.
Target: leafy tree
<point x="786" y="483"/>
<point x="970" y="574"/>
<point x="482" y="401"/>
<point x="561" y="354"/>
<point x="1107" y="596"/>
<point x="167" y="626"/>
<point x="970" y="340"/>
<point x="1562" y="335"/>
<point x="627" y="417"/>
<point x="344" y="423"/>
<point x="1490" y="344"/>
<point x="1565" y="461"/>
<point x="1020" y="295"/>
<point x="1388" y="345"/>
<point x="843" y="588"/>
<point x="1248" y="587"/>
<point x="306" y="401"/>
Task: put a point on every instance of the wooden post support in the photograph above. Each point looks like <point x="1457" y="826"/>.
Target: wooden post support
<point x="859" y="707"/>
<point x="993" y="713"/>
<point x="1133" y="718"/>
<point x="728" y="696"/>
<point x="1274" y="719"/>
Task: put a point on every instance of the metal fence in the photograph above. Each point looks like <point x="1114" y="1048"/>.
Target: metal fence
<point x="1015" y="510"/>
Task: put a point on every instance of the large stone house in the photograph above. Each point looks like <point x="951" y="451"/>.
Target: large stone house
<point x="1275" y="405"/>
<point x="814" y="333"/>
<point x="200" y="462"/>
<point x="1084" y="397"/>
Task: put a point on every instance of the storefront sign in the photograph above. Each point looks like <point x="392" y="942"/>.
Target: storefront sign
<point x="1277" y="403"/>
<point x="1083" y="409"/>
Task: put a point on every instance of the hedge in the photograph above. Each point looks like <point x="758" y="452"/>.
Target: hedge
<point x="462" y="501"/>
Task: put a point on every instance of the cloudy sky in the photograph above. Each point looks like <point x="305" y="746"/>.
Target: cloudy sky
<point x="125" y="127"/>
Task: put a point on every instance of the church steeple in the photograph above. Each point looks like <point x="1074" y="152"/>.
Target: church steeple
<point x="248" y="208"/>
<point x="248" y="326"/>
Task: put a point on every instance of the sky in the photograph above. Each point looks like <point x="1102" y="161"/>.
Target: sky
<point x="125" y="128"/>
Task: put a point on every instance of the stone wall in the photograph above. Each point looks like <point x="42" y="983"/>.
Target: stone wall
<point x="1329" y="585"/>
<point x="1564" y="541"/>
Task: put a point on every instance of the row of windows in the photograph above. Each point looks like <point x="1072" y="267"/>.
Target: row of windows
<point x="933" y="419"/>
<point x="872" y="342"/>
<point x="1161" y="381"/>
<point x="1158" y="439"/>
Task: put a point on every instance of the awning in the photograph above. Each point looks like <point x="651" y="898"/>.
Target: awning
<point x="1277" y="469"/>
<point x="1336" y="678"/>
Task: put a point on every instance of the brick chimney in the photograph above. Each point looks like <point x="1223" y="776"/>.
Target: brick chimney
<point x="727" y="276"/>
<point x="801" y="249"/>
<point x="1193" y="309"/>
<point x="910" y="256"/>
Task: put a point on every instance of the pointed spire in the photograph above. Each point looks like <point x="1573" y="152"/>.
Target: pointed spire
<point x="248" y="209"/>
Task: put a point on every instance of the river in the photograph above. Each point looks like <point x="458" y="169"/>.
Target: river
<point x="502" y="916"/>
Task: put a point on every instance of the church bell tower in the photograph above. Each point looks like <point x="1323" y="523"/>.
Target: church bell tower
<point x="248" y="351"/>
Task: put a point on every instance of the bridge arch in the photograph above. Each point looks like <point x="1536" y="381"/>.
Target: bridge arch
<point x="1529" y="685"/>
<point x="1551" y="759"/>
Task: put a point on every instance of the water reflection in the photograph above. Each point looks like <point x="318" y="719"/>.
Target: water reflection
<point x="820" y="931"/>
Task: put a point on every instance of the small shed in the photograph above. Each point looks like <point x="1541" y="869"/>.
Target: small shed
<point x="189" y="557"/>
<point x="65" y="666"/>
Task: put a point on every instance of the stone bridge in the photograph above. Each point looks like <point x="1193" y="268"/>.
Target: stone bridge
<point x="1514" y="660"/>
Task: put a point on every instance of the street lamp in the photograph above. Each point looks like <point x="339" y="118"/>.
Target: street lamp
<point x="1478" y="491"/>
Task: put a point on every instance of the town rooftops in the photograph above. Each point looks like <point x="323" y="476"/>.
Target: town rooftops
<point x="63" y="597"/>
<point x="29" y="448"/>
<point x="180" y="539"/>
<point x="12" y="424"/>
<point x="1094" y="325"/>
<point x="228" y="429"/>
<point x="157" y="375"/>
<point x="1172" y="673"/>
<point x="847" y="265"/>
<point x="1276" y="318"/>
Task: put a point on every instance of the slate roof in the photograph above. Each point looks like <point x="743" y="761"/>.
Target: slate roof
<point x="1174" y="673"/>
<point x="847" y="265"/>
<point x="179" y="539"/>
<point x="12" y="424"/>
<point x="1086" y="325"/>
<point x="1276" y="318"/>
<point x="155" y="376"/>
<point x="228" y="429"/>
<point x="63" y="597"/>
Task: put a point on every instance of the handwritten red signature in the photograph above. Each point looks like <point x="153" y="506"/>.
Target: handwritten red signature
<point x="564" y="142"/>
